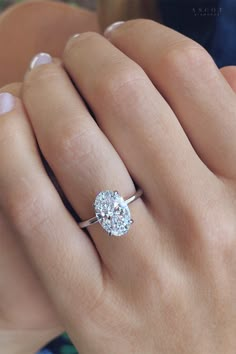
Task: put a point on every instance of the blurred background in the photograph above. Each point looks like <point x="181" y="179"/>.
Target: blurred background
<point x="212" y="23"/>
<point x="89" y="4"/>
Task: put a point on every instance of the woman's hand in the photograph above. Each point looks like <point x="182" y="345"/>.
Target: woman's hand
<point x="166" y="121"/>
<point x="27" y="317"/>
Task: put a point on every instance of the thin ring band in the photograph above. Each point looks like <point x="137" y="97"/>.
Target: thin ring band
<point x="94" y="219"/>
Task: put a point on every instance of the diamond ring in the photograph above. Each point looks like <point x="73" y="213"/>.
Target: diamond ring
<point x="112" y="212"/>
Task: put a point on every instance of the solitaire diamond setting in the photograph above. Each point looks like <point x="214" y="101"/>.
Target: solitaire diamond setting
<point x="112" y="212"/>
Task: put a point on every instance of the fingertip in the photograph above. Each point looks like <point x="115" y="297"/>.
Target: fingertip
<point x="7" y="102"/>
<point x="110" y="29"/>
<point x="40" y="59"/>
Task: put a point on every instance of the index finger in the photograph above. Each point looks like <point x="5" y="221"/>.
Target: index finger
<point x="61" y="253"/>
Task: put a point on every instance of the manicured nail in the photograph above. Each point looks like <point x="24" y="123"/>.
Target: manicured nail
<point x="75" y="36"/>
<point x="40" y="59"/>
<point x="71" y="38"/>
<point x="112" y="27"/>
<point x="7" y="102"/>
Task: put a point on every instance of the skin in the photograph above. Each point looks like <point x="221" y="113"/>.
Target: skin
<point x="47" y="25"/>
<point x="28" y="319"/>
<point x="41" y="26"/>
<point x="171" y="281"/>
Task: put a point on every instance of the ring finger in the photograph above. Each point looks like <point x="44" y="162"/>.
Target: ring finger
<point x="80" y="155"/>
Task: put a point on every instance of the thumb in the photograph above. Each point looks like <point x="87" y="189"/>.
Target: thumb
<point x="229" y="73"/>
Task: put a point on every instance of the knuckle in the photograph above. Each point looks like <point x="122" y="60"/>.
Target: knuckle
<point x="222" y="233"/>
<point x="39" y="75"/>
<point x="217" y="229"/>
<point x="74" y="144"/>
<point x="29" y="210"/>
<point x="119" y="79"/>
<point x="185" y="56"/>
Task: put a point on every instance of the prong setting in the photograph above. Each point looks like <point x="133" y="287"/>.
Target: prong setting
<point x="112" y="213"/>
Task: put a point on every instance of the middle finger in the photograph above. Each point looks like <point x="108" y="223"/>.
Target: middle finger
<point x="138" y="121"/>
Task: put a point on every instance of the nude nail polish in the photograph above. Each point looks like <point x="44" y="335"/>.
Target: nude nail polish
<point x="112" y="28"/>
<point x="7" y="102"/>
<point x="75" y="36"/>
<point x="40" y="59"/>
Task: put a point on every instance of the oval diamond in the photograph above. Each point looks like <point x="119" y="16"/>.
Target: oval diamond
<point x="112" y="213"/>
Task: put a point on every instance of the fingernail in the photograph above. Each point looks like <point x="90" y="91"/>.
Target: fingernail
<point x="112" y="27"/>
<point x="71" y="38"/>
<point x="75" y="36"/>
<point x="40" y="59"/>
<point x="7" y="102"/>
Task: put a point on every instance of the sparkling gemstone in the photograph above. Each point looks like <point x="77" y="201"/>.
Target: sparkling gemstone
<point x="112" y="213"/>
